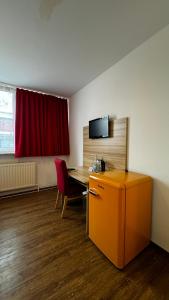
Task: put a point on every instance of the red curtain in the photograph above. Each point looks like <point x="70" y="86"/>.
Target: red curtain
<point x="41" y="126"/>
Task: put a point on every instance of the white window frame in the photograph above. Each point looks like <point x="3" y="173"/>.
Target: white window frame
<point x="11" y="90"/>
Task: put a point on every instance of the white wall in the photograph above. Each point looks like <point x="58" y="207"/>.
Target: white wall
<point x="136" y="87"/>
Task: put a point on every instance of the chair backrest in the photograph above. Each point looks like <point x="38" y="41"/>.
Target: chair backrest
<point x="62" y="175"/>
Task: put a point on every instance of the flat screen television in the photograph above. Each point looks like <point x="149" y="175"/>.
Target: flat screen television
<point x="99" y="128"/>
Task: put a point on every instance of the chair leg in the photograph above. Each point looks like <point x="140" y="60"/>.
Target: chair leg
<point x="57" y="199"/>
<point x="64" y="206"/>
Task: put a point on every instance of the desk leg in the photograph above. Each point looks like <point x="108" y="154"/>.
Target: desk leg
<point x="87" y="213"/>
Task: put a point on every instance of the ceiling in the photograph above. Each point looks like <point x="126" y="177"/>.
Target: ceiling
<point x="58" y="46"/>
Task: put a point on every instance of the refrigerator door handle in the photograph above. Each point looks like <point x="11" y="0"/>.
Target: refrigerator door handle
<point x="93" y="191"/>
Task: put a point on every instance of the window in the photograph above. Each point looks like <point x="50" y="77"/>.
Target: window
<point x="7" y="120"/>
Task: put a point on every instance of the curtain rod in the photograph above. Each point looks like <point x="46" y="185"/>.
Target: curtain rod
<point x="23" y="88"/>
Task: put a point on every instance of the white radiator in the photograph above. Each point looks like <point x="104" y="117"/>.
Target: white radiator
<point x="17" y="176"/>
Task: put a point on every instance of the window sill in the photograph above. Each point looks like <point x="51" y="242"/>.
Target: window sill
<point x="6" y="154"/>
<point x="4" y="157"/>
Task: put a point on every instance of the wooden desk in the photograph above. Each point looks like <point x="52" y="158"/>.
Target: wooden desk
<point x="81" y="175"/>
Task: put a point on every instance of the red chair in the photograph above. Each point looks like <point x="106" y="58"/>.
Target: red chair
<point x="67" y="190"/>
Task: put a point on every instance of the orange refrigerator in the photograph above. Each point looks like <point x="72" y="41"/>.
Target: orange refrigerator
<point x="120" y="214"/>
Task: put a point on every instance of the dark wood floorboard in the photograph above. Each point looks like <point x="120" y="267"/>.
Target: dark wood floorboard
<point x="45" y="257"/>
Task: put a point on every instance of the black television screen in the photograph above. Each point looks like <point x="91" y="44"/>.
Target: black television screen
<point x="99" y="128"/>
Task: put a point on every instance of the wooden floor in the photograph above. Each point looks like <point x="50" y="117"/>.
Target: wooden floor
<point x="45" y="257"/>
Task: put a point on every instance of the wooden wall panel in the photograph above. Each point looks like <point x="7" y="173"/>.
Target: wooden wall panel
<point x="113" y="149"/>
